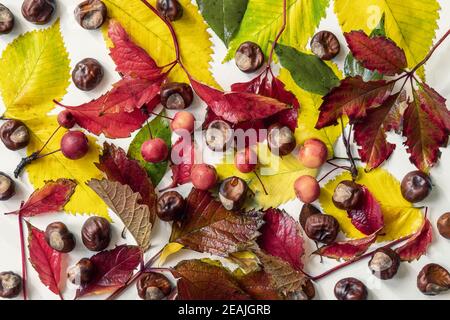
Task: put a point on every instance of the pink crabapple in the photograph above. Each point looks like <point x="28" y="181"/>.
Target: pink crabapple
<point x="183" y="120"/>
<point x="203" y="176"/>
<point x="307" y="189"/>
<point x="313" y="154"/>
<point x="154" y="150"/>
<point x="74" y="145"/>
<point x="246" y="160"/>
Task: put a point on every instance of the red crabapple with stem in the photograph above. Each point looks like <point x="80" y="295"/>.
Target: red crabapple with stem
<point x="74" y="145"/>
<point x="154" y="150"/>
<point x="203" y="176"/>
<point x="246" y="160"/>
<point x="66" y="119"/>
<point x="313" y="154"/>
<point x="183" y="121"/>
<point x="307" y="189"/>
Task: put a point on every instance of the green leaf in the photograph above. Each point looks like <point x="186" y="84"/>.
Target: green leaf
<point x="308" y="71"/>
<point x="353" y="67"/>
<point x="264" y="18"/>
<point x="160" y="129"/>
<point x="223" y="16"/>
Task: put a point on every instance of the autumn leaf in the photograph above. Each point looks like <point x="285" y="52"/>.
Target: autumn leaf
<point x="136" y="217"/>
<point x="160" y="128"/>
<point x="113" y="269"/>
<point x="412" y="27"/>
<point x="237" y="106"/>
<point x="369" y="218"/>
<point x="280" y="237"/>
<point x="264" y="18"/>
<point x="52" y="197"/>
<point x="150" y="33"/>
<point x="184" y="150"/>
<point x="349" y="249"/>
<point x="418" y="244"/>
<point x="353" y="97"/>
<point x="435" y="105"/>
<point x="400" y="217"/>
<point x="259" y="285"/>
<point x="44" y="259"/>
<point x="223" y="16"/>
<point x="209" y="227"/>
<point x="377" y="53"/>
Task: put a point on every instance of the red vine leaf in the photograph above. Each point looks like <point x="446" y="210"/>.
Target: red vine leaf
<point x="238" y="107"/>
<point x="347" y="250"/>
<point x="435" y="105"/>
<point x="113" y="269"/>
<point x="209" y="227"/>
<point x="52" y="197"/>
<point x="353" y="97"/>
<point x="377" y="53"/>
<point x="369" y="218"/>
<point x="280" y="237"/>
<point x="181" y="171"/>
<point x="130" y="59"/>
<point x="418" y="244"/>
<point x="44" y="259"/>
<point x="370" y="134"/>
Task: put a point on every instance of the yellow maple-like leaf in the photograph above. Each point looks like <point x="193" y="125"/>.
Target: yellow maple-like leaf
<point x="278" y="175"/>
<point x="411" y="24"/>
<point x="149" y="32"/>
<point x="400" y="217"/>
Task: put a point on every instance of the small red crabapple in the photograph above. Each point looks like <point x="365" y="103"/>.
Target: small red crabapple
<point x="183" y="120"/>
<point x="74" y="145"/>
<point x="313" y="154"/>
<point x="154" y="150"/>
<point x="66" y="119"/>
<point x="307" y="189"/>
<point x="203" y="176"/>
<point x="246" y="160"/>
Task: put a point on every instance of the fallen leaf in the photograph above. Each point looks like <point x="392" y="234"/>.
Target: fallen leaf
<point x="259" y="285"/>
<point x="52" y="197"/>
<point x="113" y="269"/>
<point x="184" y="152"/>
<point x="369" y="218"/>
<point x="418" y="244"/>
<point x="136" y="217"/>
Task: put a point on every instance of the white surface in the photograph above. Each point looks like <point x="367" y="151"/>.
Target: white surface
<point x="81" y="43"/>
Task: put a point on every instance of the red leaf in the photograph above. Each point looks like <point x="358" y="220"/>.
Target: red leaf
<point x="423" y="132"/>
<point x="347" y="250"/>
<point x="45" y="260"/>
<point x="280" y="237"/>
<point x="52" y="197"/>
<point x="118" y="167"/>
<point x="434" y="104"/>
<point x="353" y="97"/>
<point x="238" y="106"/>
<point x="369" y="218"/>
<point x="417" y="246"/>
<point x="130" y="59"/>
<point x="377" y="53"/>
<point x="184" y="153"/>
<point x="113" y="269"/>
<point x="370" y="133"/>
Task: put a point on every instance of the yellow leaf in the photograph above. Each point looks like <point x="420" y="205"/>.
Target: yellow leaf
<point x="309" y="112"/>
<point x="34" y="70"/>
<point x="400" y="217"/>
<point x="277" y="174"/>
<point x="411" y="24"/>
<point x="169" y="249"/>
<point x="55" y="166"/>
<point x="149" y="32"/>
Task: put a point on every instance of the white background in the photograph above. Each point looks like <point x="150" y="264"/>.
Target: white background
<point x="82" y="43"/>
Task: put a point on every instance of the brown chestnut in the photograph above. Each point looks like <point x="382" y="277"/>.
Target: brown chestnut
<point x="176" y="95"/>
<point x="91" y="14"/>
<point x="81" y="273"/>
<point x="384" y="263"/>
<point x="59" y="238"/>
<point x="322" y="228"/>
<point x="6" y="20"/>
<point x="249" y="57"/>
<point x="325" y="45"/>
<point x="433" y="279"/>
<point x="416" y="186"/>
<point x="87" y="74"/>
<point x="7" y="187"/>
<point x="96" y="233"/>
<point x="233" y="193"/>
<point x="307" y="211"/>
<point x="153" y="286"/>
<point x="14" y="134"/>
<point x="10" y="284"/>
<point x="171" y="206"/>
<point x="443" y="225"/>
<point x="280" y="139"/>
<point x="38" y="11"/>
<point x="348" y="195"/>
<point x="170" y="9"/>
<point x="218" y="135"/>
<point x="350" y="289"/>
